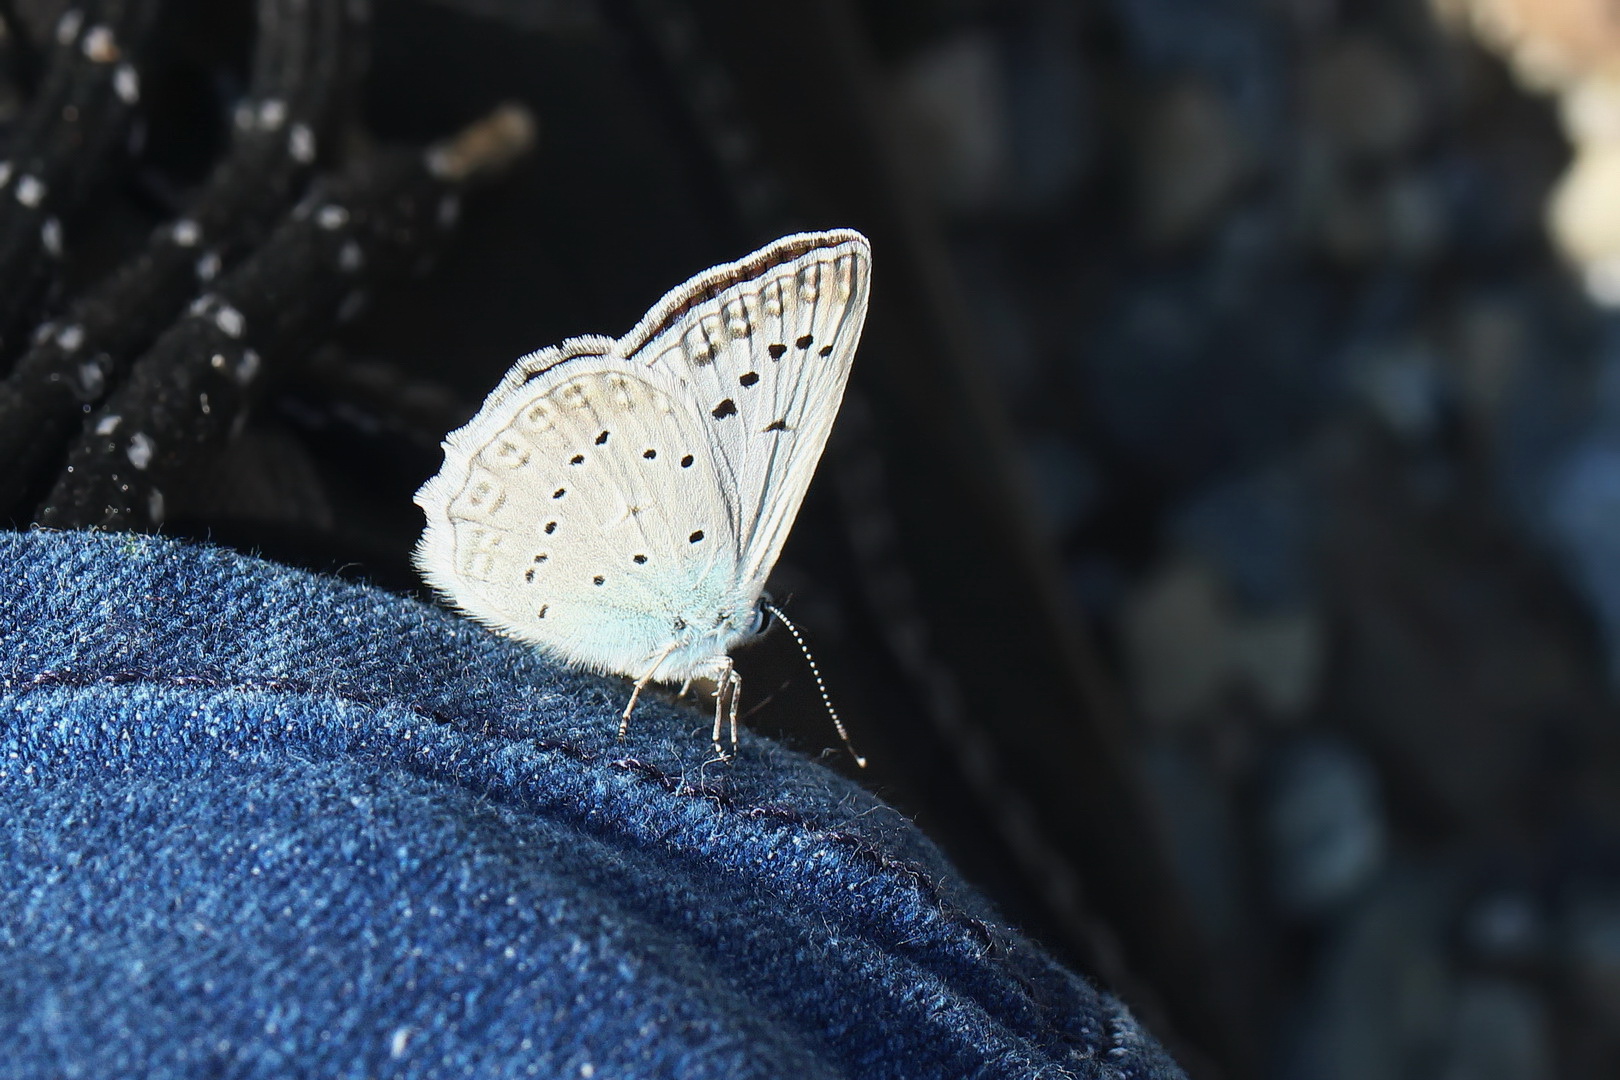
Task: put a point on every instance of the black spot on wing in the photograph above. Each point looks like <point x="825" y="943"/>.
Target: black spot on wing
<point x="724" y="409"/>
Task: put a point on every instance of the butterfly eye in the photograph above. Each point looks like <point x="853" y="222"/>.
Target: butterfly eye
<point x="763" y="618"/>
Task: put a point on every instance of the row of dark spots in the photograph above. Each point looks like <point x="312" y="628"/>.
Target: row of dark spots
<point x="729" y="408"/>
<point x="649" y="454"/>
<point x="639" y="560"/>
<point x="778" y="351"/>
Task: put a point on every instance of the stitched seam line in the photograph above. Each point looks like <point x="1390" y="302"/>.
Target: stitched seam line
<point x="644" y="772"/>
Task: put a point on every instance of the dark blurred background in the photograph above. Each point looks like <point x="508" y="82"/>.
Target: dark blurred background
<point x="1219" y="551"/>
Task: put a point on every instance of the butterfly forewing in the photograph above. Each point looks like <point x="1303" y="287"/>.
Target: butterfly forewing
<point x="578" y="512"/>
<point x="766" y="345"/>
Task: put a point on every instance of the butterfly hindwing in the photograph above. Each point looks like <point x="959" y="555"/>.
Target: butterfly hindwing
<point x="579" y="511"/>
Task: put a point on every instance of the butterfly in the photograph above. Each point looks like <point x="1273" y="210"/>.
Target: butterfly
<point x="620" y="502"/>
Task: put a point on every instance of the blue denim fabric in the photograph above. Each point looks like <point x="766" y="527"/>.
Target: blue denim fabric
<point x="256" y="822"/>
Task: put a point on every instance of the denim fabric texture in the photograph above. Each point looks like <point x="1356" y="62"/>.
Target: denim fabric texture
<point x="255" y="822"/>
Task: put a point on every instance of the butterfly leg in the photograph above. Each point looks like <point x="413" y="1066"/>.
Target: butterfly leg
<point x="624" y="721"/>
<point x="635" y="694"/>
<point x="723" y="681"/>
<point x="736" y="700"/>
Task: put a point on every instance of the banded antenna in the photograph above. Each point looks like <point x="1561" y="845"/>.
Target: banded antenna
<point x="821" y="684"/>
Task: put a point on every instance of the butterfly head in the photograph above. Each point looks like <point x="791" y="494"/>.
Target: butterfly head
<point x="701" y="642"/>
<point x="743" y="623"/>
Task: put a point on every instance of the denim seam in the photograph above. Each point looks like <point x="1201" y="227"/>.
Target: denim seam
<point x="642" y="771"/>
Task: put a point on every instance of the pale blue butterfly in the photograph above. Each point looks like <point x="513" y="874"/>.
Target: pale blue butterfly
<point x="620" y="503"/>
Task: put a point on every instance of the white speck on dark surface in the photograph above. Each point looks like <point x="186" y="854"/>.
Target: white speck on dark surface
<point x="68" y="26"/>
<point x="140" y="450"/>
<point x="100" y="45"/>
<point x="50" y="237"/>
<point x="272" y="113"/>
<point x="350" y="257"/>
<point x="127" y="84"/>
<point x="247" y="368"/>
<point x="301" y="144"/>
<point x="92" y="380"/>
<point x="231" y="322"/>
<point x="31" y="190"/>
